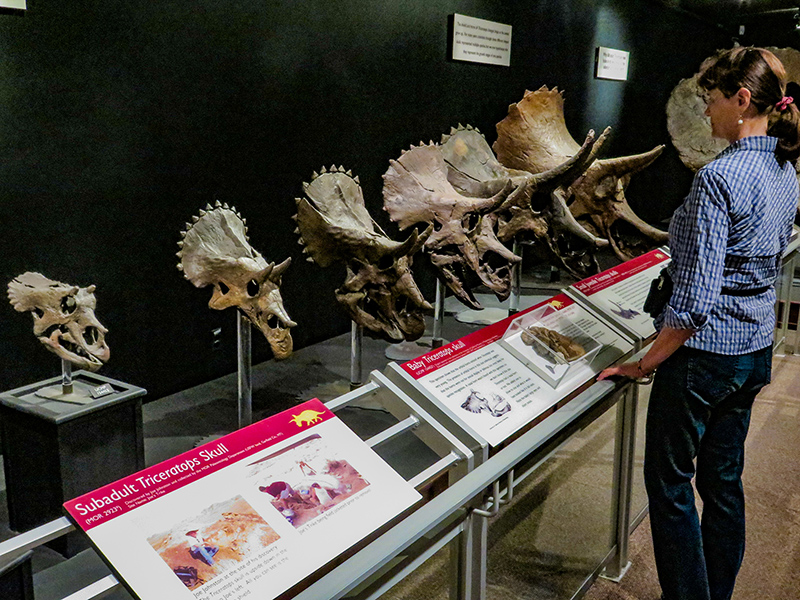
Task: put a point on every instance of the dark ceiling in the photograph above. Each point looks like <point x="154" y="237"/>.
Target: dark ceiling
<point x="729" y="12"/>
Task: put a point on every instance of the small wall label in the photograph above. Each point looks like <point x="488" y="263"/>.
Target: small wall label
<point x="611" y="64"/>
<point x="477" y="40"/>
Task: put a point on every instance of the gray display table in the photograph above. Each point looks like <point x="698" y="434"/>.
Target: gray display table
<point x="54" y="451"/>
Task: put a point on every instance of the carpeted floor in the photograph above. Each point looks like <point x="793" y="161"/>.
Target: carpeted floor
<point x="771" y="569"/>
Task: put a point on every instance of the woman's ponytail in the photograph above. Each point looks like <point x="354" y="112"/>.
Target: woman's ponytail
<point x="785" y="125"/>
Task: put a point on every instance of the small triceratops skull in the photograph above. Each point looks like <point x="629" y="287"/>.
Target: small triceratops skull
<point x="416" y="190"/>
<point x="63" y="318"/>
<point x="533" y="137"/>
<point x="379" y="293"/>
<point x="215" y="251"/>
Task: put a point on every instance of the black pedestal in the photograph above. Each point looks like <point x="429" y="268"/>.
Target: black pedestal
<point x="54" y="451"/>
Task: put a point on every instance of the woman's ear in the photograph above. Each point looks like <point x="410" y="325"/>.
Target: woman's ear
<point x="743" y="97"/>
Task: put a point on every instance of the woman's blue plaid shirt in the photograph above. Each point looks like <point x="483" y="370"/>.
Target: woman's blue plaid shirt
<point x="729" y="234"/>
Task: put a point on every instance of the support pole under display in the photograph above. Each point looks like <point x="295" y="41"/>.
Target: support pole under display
<point x="66" y="377"/>
<point x="516" y="278"/>
<point x="356" y="337"/>
<point x="243" y="331"/>
<point x="438" y="316"/>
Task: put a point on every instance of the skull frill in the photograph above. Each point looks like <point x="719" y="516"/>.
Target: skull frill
<point x="215" y="250"/>
<point x="379" y="292"/>
<point x="533" y="137"/>
<point x="63" y="318"/>
<point x="540" y="213"/>
<point x="416" y="190"/>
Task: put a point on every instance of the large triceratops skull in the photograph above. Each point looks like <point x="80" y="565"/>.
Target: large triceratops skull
<point x="416" y="190"/>
<point x="215" y="251"/>
<point x="540" y="212"/>
<point x="533" y="137"/>
<point x="379" y="293"/>
<point x="63" y="318"/>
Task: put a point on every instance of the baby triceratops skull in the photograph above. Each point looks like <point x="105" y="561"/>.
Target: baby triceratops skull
<point x="63" y="318"/>
<point x="379" y="293"/>
<point x="215" y="251"/>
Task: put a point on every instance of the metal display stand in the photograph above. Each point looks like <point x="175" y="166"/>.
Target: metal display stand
<point x="356" y="342"/>
<point x="245" y="369"/>
<point x="438" y="316"/>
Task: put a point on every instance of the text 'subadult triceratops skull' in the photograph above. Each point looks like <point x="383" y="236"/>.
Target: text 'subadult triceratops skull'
<point x="533" y="137"/>
<point x="63" y="318"/>
<point x="540" y="213"/>
<point x="215" y="251"/>
<point x="416" y="190"/>
<point x="379" y="293"/>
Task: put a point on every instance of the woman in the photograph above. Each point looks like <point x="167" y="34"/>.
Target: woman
<point x="714" y="347"/>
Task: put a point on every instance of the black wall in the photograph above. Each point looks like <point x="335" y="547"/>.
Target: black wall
<point x="119" y="119"/>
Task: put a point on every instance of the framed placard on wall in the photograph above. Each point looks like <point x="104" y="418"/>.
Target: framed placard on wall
<point x="481" y="41"/>
<point x="611" y="64"/>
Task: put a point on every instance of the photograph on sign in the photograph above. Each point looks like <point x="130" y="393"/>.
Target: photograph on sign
<point x="611" y="64"/>
<point x="481" y="41"/>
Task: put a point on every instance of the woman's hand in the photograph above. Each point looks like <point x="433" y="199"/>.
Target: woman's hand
<point x="630" y="370"/>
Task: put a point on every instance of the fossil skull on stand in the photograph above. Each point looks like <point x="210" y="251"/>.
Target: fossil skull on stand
<point x="63" y="318"/>
<point x="379" y="292"/>
<point x="416" y="190"/>
<point x="214" y="250"/>
<point x="533" y="137"/>
<point x="540" y="212"/>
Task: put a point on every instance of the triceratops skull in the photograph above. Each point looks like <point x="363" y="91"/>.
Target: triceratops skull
<point x="215" y="251"/>
<point x="416" y="190"/>
<point x="63" y="318"/>
<point x="540" y="213"/>
<point x="533" y="137"/>
<point x="379" y="292"/>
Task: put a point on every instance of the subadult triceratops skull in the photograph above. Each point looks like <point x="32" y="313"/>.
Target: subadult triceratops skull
<point x="63" y="318"/>
<point x="416" y="190"/>
<point x="533" y="137"/>
<point x="540" y="213"/>
<point x="215" y="251"/>
<point x="379" y="292"/>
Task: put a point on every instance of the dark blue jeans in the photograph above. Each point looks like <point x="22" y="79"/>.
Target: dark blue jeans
<point x="700" y="409"/>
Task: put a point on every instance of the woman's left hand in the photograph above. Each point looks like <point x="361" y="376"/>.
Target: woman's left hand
<point x="624" y="370"/>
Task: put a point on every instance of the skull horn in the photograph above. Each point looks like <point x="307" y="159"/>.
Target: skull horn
<point x="628" y="165"/>
<point x="278" y="270"/>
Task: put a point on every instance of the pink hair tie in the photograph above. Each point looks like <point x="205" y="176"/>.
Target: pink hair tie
<point x="784" y="103"/>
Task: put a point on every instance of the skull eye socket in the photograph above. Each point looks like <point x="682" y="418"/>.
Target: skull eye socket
<point x="471" y="221"/>
<point x="223" y="288"/>
<point x="385" y="262"/>
<point x="68" y="305"/>
<point x="252" y="288"/>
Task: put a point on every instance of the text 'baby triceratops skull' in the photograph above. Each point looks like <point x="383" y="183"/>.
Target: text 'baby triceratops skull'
<point x="379" y="292"/>
<point x="215" y="251"/>
<point x="533" y="137"/>
<point x="63" y="318"/>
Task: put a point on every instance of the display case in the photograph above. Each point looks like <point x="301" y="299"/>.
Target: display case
<point x="550" y="343"/>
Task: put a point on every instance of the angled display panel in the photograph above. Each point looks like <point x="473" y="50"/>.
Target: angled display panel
<point x="491" y="389"/>
<point x="248" y="515"/>
<point x="619" y="293"/>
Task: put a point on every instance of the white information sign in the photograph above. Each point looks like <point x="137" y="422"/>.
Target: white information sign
<point x="620" y="292"/>
<point x="481" y="41"/>
<point x="13" y="4"/>
<point x="491" y="392"/>
<point x="612" y="64"/>
<point x="246" y="516"/>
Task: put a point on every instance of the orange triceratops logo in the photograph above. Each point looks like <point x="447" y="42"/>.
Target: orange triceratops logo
<point x="307" y="417"/>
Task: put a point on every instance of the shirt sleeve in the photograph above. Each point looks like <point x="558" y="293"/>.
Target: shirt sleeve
<point x="698" y="242"/>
